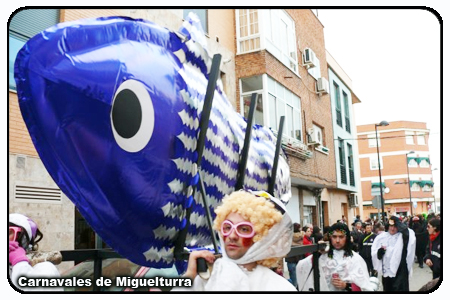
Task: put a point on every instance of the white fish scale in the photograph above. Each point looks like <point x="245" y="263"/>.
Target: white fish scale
<point x="197" y="219"/>
<point x="194" y="78"/>
<point x="213" y="180"/>
<point x="181" y="55"/>
<point x="188" y="120"/>
<point x="200" y="52"/>
<point x="198" y="200"/>
<point x="191" y="101"/>
<point x="165" y="233"/>
<point x="155" y="254"/>
<point x="218" y="143"/>
<point x="173" y="210"/>
<point x="217" y="161"/>
<point x="196" y="81"/>
<point x="198" y="239"/>
<point x="222" y="125"/>
<point x="184" y="165"/>
<point x="176" y="186"/>
<point x="190" y="143"/>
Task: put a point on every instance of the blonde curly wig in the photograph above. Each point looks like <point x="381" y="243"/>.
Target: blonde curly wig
<point x="257" y="210"/>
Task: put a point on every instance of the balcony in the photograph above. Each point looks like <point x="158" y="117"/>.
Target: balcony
<point x="296" y="148"/>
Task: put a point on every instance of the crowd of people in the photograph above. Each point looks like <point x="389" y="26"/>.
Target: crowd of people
<point x="388" y="250"/>
<point x="256" y="234"/>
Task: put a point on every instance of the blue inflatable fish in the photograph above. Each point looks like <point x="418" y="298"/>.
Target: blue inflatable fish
<point x="113" y="107"/>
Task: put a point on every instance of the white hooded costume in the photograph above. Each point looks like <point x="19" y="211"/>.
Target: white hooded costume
<point x="350" y="269"/>
<point x="228" y="275"/>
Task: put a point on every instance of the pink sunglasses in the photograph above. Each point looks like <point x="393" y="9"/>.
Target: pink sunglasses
<point x="242" y="229"/>
<point x="13" y="232"/>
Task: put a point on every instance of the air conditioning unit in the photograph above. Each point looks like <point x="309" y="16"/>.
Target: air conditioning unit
<point x="314" y="136"/>
<point x="322" y="86"/>
<point x="309" y="58"/>
<point x="353" y="199"/>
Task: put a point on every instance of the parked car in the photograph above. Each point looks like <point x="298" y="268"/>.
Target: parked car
<point x="117" y="267"/>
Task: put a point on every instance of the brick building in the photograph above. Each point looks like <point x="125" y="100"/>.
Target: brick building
<point x="396" y="142"/>
<point x="262" y="51"/>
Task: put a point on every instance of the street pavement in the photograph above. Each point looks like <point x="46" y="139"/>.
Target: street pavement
<point x="419" y="278"/>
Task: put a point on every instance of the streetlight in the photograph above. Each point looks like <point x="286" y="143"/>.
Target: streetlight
<point x="382" y="123"/>
<point x="409" y="183"/>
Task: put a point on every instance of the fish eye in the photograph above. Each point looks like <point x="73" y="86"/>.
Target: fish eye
<point x="132" y="116"/>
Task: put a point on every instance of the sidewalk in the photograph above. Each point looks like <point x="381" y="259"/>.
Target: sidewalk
<point x="419" y="278"/>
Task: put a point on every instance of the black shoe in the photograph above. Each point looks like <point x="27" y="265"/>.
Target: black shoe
<point x="421" y="266"/>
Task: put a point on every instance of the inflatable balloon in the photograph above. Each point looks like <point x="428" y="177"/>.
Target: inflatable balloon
<point x="113" y="107"/>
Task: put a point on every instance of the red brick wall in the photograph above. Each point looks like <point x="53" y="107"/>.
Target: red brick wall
<point x="315" y="109"/>
<point x="19" y="139"/>
<point x="393" y="164"/>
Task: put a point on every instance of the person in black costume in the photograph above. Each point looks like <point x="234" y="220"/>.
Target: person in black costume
<point x="393" y="255"/>
<point x="366" y="248"/>
<point x="357" y="234"/>
<point x="317" y="234"/>
<point x="433" y="256"/>
<point x="418" y="225"/>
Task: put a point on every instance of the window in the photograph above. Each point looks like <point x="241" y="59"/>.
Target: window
<point x="248" y="87"/>
<point x="347" y="112"/>
<point x="420" y="138"/>
<point x="426" y="188"/>
<point x="279" y="33"/>
<point x="282" y="102"/>
<point x="202" y="15"/>
<point x="343" y="170"/>
<point x="412" y="163"/>
<point x="337" y="98"/>
<point x="279" y="102"/>
<point x="248" y="31"/>
<point x="415" y="187"/>
<point x="409" y="136"/>
<point x="424" y="163"/>
<point x="21" y="30"/>
<point x="374" y="163"/>
<point x="350" y="164"/>
<point x="373" y="141"/>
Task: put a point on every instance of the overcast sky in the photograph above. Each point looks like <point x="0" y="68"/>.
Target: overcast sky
<point x="393" y="59"/>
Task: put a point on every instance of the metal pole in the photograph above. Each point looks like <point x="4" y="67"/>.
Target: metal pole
<point x="409" y="186"/>
<point x="379" y="173"/>
<point x="208" y="215"/>
<point x="275" y="159"/>
<point x="246" y="148"/>
<point x="206" y="112"/>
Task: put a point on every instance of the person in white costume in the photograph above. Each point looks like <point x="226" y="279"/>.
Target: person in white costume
<point x="24" y="236"/>
<point x="255" y="231"/>
<point x="341" y="269"/>
<point x="393" y="255"/>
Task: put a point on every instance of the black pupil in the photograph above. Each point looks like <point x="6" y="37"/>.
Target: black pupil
<point x="127" y="114"/>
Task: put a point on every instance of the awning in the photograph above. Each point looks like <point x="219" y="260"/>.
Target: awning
<point x="427" y="182"/>
<point x="421" y="183"/>
<point x="377" y="184"/>
<point x="418" y="159"/>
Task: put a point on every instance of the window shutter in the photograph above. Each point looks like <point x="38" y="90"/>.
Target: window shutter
<point x="27" y="23"/>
